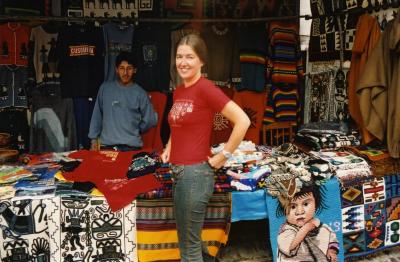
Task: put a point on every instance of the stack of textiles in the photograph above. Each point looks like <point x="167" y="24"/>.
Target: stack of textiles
<point x="289" y="171"/>
<point x="40" y="185"/>
<point x="163" y="175"/>
<point x="242" y="171"/>
<point x="9" y="175"/>
<point x="326" y="135"/>
<point x="379" y="159"/>
<point x="222" y="183"/>
<point x="347" y="167"/>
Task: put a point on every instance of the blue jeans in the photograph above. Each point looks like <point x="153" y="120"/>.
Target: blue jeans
<point x="193" y="187"/>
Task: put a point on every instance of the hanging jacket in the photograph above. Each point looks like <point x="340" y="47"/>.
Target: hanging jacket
<point x="13" y="81"/>
<point x="379" y="89"/>
<point x="368" y="34"/>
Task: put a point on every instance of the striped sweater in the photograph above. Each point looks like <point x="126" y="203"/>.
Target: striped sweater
<point x="284" y="69"/>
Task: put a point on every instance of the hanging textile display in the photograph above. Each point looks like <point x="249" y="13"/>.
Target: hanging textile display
<point x="326" y="97"/>
<point x="368" y="34"/>
<point x="318" y="94"/>
<point x="325" y="34"/>
<point x="323" y="241"/>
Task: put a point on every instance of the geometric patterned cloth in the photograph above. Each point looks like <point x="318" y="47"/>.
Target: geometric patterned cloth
<point x="325" y="37"/>
<point x="157" y="238"/>
<point x="371" y="216"/>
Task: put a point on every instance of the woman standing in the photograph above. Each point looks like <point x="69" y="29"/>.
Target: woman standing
<point x="188" y="150"/>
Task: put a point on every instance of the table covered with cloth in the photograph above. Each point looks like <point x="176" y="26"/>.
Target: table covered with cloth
<point x="83" y="228"/>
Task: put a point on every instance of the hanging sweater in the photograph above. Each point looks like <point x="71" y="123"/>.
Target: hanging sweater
<point x="13" y="84"/>
<point x="14" y="39"/>
<point x="223" y="65"/>
<point x="117" y="38"/>
<point x="284" y="69"/>
<point x="80" y="54"/>
<point x="44" y="52"/>
<point x="151" y="46"/>
<point x="253" y="50"/>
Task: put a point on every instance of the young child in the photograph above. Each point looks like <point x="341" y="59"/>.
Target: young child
<point x="303" y="237"/>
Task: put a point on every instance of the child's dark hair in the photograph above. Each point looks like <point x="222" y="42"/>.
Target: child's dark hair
<point x="125" y="56"/>
<point x="318" y="193"/>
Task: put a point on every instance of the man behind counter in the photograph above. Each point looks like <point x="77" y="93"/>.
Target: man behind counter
<point x="123" y="110"/>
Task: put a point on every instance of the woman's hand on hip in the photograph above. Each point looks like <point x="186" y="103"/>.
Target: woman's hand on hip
<point x="165" y="155"/>
<point x="217" y="161"/>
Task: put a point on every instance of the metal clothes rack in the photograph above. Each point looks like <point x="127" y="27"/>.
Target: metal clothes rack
<point x="147" y="20"/>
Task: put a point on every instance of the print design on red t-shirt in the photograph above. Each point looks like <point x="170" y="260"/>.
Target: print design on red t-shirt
<point x="180" y="108"/>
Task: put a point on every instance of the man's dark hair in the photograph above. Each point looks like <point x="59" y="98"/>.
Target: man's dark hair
<point x="125" y="56"/>
<point x="317" y="191"/>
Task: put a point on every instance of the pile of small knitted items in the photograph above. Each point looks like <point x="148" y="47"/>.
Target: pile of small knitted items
<point x="143" y="163"/>
<point x="291" y="170"/>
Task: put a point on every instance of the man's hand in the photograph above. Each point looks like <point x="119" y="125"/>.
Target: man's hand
<point x="95" y="145"/>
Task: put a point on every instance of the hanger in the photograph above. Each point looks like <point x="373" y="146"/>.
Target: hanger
<point x="123" y="25"/>
<point x="179" y="26"/>
<point x="51" y="26"/>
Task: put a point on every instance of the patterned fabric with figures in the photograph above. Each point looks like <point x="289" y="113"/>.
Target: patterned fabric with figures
<point x="66" y="228"/>
<point x="326" y="97"/>
<point x="85" y="228"/>
<point x="24" y="231"/>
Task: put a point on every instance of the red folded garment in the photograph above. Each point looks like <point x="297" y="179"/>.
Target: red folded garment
<point x="107" y="170"/>
<point x="121" y="192"/>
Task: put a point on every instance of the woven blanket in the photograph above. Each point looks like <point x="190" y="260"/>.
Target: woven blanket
<point x="325" y="37"/>
<point x="157" y="239"/>
<point x="371" y="216"/>
<point x="317" y="242"/>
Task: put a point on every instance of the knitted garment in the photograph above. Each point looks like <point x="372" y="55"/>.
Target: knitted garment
<point x="284" y="69"/>
<point x="44" y="53"/>
<point x="14" y="44"/>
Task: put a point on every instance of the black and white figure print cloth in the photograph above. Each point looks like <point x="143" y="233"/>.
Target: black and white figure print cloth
<point x="318" y="94"/>
<point x="114" y="8"/>
<point x="24" y="232"/>
<point x="85" y="229"/>
<point x="76" y="228"/>
<point x="341" y="100"/>
<point x="326" y="97"/>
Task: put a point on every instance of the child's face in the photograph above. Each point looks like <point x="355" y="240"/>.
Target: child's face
<point x="301" y="210"/>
